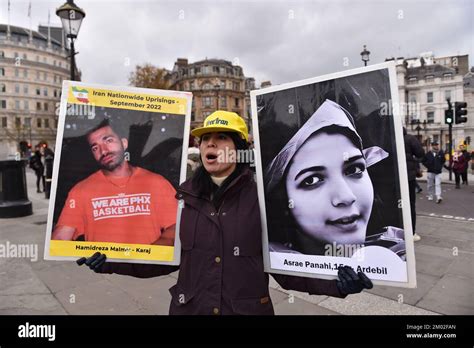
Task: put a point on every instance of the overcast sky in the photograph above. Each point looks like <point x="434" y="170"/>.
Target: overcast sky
<point x="281" y="41"/>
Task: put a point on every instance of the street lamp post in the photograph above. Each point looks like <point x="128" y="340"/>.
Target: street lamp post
<point x="71" y="18"/>
<point x="365" y="55"/>
<point x="217" y="87"/>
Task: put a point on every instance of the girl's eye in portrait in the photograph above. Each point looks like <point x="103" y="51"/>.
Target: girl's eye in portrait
<point x="355" y="170"/>
<point x="311" y="181"/>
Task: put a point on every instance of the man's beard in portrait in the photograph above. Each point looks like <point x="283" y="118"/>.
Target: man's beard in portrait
<point x="112" y="165"/>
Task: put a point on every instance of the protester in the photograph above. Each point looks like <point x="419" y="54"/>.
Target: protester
<point x="221" y="269"/>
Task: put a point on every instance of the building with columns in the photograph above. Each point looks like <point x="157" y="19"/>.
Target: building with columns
<point x="33" y="65"/>
<point x="425" y="83"/>
<point x="215" y="84"/>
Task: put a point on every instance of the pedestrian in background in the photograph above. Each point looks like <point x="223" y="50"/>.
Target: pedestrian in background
<point x="467" y="158"/>
<point x="36" y="163"/>
<point x="414" y="153"/>
<point x="434" y="162"/>
<point x="458" y="165"/>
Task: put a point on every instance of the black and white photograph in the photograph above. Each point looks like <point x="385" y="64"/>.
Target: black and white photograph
<point x="332" y="182"/>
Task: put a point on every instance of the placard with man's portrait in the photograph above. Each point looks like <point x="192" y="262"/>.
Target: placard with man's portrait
<point x="119" y="161"/>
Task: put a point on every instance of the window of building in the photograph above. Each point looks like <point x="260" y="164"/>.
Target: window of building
<point x="215" y="69"/>
<point x="38" y="122"/>
<point x="3" y="104"/>
<point x="38" y="91"/>
<point x="25" y="73"/>
<point x="17" y="72"/>
<point x="2" y="71"/>
<point x="45" y="91"/>
<point x="46" y="123"/>
<point x="44" y="60"/>
<point x="191" y="85"/>
<point x="429" y="78"/>
<point x="412" y="80"/>
<point x="429" y="97"/>
<point x="447" y="76"/>
<point x="205" y="114"/>
<point x="54" y="62"/>
<point x="206" y="85"/>
<point x="38" y="106"/>
<point x="223" y="102"/>
<point x="4" y="122"/>
<point x="236" y="86"/>
<point x="25" y="57"/>
<point x="206" y="69"/>
<point x="222" y="70"/>
<point x="430" y="117"/>
<point x="25" y="89"/>
<point x="37" y="75"/>
<point x="206" y="101"/>
<point x="17" y="88"/>
<point x="56" y="123"/>
<point x="45" y="76"/>
<point x="198" y="70"/>
<point x="45" y="106"/>
<point x="3" y="87"/>
<point x="17" y="104"/>
<point x="447" y="94"/>
<point x="28" y="121"/>
<point x="55" y="93"/>
<point x="26" y="105"/>
<point x="17" y="122"/>
<point x="2" y="54"/>
<point x="229" y="71"/>
<point x="59" y="64"/>
<point x="236" y="102"/>
<point x="15" y="54"/>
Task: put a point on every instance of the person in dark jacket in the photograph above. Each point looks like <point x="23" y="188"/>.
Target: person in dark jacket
<point x="37" y="165"/>
<point x="458" y="164"/>
<point x="434" y="162"/>
<point x="414" y="153"/>
<point x="467" y="158"/>
<point x="221" y="269"/>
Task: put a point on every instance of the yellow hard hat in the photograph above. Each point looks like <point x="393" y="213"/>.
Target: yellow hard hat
<point x="223" y="121"/>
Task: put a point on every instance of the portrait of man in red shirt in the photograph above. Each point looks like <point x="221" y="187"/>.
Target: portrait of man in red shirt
<point x="118" y="203"/>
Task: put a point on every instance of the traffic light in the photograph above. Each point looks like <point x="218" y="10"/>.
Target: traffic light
<point x="460" y="111"/>
<point x="448" y="116"/>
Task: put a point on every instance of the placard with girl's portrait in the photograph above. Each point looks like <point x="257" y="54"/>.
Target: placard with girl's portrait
<point x="332" y="178"/>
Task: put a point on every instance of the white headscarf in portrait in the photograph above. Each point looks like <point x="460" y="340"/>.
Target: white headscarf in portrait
<point x="328" y="114"/>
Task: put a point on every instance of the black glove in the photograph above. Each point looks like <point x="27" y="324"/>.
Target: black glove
<point x="351" y="283"/>
<point x="95" y="262"/>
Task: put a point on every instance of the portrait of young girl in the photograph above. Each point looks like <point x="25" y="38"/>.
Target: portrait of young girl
<point x="319" y="182"/>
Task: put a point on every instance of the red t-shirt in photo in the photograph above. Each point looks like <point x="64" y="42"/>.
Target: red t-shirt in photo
<point x="134" y="209"/>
